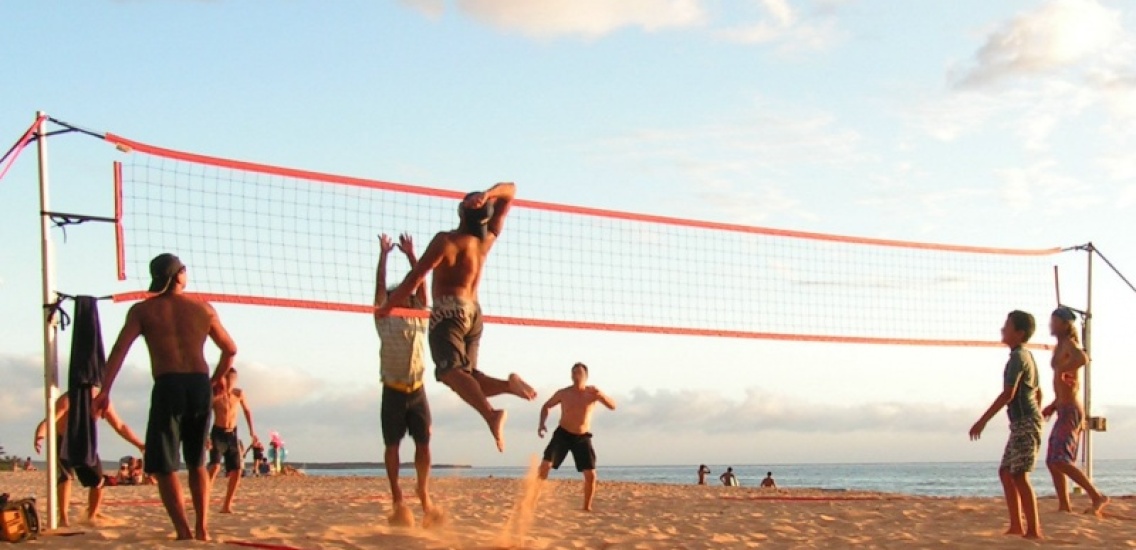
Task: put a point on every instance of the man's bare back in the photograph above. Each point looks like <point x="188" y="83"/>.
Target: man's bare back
<point x="175" y="328"/>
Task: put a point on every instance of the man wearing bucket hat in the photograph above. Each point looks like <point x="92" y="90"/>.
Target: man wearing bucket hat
<point x="175" y="328"/>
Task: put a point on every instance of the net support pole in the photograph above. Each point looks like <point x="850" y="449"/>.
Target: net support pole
<point x="1088" y="337"/>
<point x="50" y="328"/>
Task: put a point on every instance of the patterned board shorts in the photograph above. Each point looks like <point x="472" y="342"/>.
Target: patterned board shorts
<point x="1022" y="447"/>
<point x="1066" y="435"/>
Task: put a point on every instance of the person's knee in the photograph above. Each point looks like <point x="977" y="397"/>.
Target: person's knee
<point x="589" y="475"/>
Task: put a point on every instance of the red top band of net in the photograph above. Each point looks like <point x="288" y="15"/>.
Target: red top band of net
<point x="563" y="208"/>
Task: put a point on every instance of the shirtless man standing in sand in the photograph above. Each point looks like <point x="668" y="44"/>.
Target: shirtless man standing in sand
<point x="457" y="258"/>
<point x="574" y="432"/>
<point x="88" y="477"/>
<point x="223" y="441"/>
<point x="1068" y="358"/>
<point x="175" y="328"/>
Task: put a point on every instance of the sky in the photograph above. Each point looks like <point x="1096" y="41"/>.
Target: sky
<point x="1006" y="124"/>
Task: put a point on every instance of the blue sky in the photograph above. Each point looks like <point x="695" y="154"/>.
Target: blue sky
<point x="999" y="124"/>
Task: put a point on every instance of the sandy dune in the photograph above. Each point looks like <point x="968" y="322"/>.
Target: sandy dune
<point x="323" y="512"/>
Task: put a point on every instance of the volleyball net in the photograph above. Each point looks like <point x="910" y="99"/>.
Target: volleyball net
<point x="273" y="236"/>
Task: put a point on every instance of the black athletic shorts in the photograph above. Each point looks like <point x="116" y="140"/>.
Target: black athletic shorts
<point x="88" y="477"/>
<point x="455" y="335"/>
<point x="225" y="445"/>
<point x="580" y="446"/>
<point x="402" y="412"/>
<point x="180" y="407"/>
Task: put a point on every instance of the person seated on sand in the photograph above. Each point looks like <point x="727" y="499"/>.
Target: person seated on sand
<point x="768" y="482"/>
<point x="137" y="477"/>
<point x="703" y="471"/>
<point x="28" y="466"/>
<point x="264" y="469"/>
<point x="729" y="479"/>
<point x="123" y="475"/>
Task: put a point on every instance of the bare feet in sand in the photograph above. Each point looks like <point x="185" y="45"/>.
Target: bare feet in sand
<point x="434" y="517"/>
<point x="401" y="517"/>
<point x="202" y="534"/>
<point x="1098" y="506"/>
<point x="497" y="426"/>
<point x="519" y="388"/>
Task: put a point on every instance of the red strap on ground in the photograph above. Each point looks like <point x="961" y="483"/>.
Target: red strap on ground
<point x="247" y="544"/>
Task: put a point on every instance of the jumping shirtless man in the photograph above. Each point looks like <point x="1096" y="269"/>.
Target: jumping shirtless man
<point x="573" y="435"/>
<point x="223" y="441"/>
<point x="1068" y="358"/>
<point x="457" y="258"/>
<point x="175" y="328"/>
<point x="92" y="478"/>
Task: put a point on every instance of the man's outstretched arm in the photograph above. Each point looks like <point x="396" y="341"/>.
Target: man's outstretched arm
<point x="552" y="402"/>
<point x="385" y="246"/>
<point x="430" y="259"/>
<point x="130" y="332"/>
<point x="248" y="418"/>
<point x="225" y="343"/>
<point x="502" y="196"/>
<point x="406" y="245"/>
<point x="122" y="429"/>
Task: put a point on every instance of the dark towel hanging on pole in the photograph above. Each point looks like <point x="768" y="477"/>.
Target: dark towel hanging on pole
<point x="80" y="442"/>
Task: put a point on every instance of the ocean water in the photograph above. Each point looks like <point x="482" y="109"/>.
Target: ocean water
<point x="1114" y="477"/>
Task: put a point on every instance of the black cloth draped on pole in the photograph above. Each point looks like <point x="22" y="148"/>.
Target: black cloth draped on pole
<point x="80" y="441"/>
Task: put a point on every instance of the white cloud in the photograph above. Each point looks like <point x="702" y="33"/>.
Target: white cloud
<point x="432" y="9"/>
<point x="743" y="170"/>
<point x="1059" y="34"/>
<point x="1040" y="186"/>
<point x="779" y="23"/>
<point x="784" y="27"/>
<point x="589" y="18"/>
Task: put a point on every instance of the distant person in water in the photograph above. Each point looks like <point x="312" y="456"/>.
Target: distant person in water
<point x="1021" y="396"/>
<point x="728" y="478"/>
<point x="402" y="358"/>
<point x="1068" y="358"/>
<point x="703" y="471"/>
<point x="573" y="434"/>
<point x="768" y="482"/>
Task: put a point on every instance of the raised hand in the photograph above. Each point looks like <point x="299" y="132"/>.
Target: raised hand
<point x="385" y="243"/>
<point x="406" y="244"/>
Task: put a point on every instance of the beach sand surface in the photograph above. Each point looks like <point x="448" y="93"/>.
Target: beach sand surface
<point x="285" y="513"/>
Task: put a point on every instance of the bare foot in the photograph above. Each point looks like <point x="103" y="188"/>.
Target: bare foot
<point x="226" y="510"/>
<point x="1034" y="536"/>
<point x="497" y="426"/>
<point x="202" y="535"/>
<point x="1098" y="506"/>
<point x="1016" y="531"/>
<point x="1064" y="509"/>
<point x="519" y="388"/>
<point x="401" y="517"/>
<point x="434" y="517"/>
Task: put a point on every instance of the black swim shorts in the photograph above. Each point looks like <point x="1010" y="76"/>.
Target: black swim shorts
<point x="403" y="412"/>
<point x="180" y="407"/>
<point x="580" y="446"/>
<point x="455" y="335"/>
<point x="225" y="445"/>
<point x="88" y="477"/>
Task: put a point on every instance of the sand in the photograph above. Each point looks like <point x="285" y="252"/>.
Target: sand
<point x="338" y="512"/>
